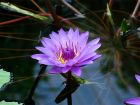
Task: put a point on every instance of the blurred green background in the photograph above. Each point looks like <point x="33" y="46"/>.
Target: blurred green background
<point x="112" y="76"/>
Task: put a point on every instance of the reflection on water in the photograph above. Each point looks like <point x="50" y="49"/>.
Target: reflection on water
<point x="102" y="90"/>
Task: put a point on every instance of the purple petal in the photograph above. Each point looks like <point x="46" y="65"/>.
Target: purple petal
<point x="71" y="34"/>
<point x="76" y="71"/>
<point x="88" y="60"/>
<point x="63" y="38"/>
<point x="83" y="40"/>
<point x="62" y="32"/>
<point x="71" y="62"/>
<point x="76" y="33"/>
<point x="84" y="63"/>
<point x="46" y="62"/>
<point x="88" y="52"/>
<point x="47" y="43"/>
<point x="133" y="101"/>
<point x="96" y="56"/>
<point x="95" y="47"/>
<point x="39" y="56"/>
<point x="90" y="49"/>
<point x="73" y="38"/>
<point x="54" y="35"/>
<point x="86" y="56"/>
<point x="51" y="61"/>
<point x="56" y="69"/>
<point x="76" y="37"/>
<point x="84" y="37"/>
<point x="55" y="39"/>
<point x="93" y="42"/>
<point x="79" y="58"/>
<point x="65" y="69"/>
<point x="137" y="78"/>
<point x="47" y="52"/>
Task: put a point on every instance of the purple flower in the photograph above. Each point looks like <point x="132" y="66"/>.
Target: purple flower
<point x="134" y="101"/>
<point x="67" y="51"/>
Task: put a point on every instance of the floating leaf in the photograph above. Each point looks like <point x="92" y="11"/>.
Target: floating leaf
<point x="9" y="103"/>
<point x="4" y="77"/>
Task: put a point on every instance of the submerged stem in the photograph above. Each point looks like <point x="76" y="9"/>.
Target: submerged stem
<point x="29" y="100"/>
<point x="68" y="85"/>
<point x="37" y="81"/>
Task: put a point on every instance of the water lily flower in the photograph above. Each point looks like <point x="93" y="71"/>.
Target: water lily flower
<point x="134" y="101"/>
<point x="67" y="51"/>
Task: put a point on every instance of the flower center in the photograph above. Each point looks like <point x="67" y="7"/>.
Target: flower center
<point x="66" y="54"/>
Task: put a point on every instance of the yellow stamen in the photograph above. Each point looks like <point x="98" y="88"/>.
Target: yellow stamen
<point x="64" y="61"/>
<point x="61" y="59"/>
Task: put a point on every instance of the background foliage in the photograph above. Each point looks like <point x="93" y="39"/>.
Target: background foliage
<point x="120" y="38"/>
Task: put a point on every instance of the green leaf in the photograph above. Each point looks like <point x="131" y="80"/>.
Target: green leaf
<point x="78" y="80"/>
<point x="9" y="103"/>
<point x="124" y="26"/>
<point x="4" y="77"/>
<point x="14" y="8"/>
<point x="109" y="15"/>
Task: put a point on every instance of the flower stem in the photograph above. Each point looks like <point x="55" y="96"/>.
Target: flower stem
<point x="53" y="13"/>
<point x="68" y="85"/>
<point x="37" y="80"/>
<point x="29" y="100"/>
<point x="69" y="100"/>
